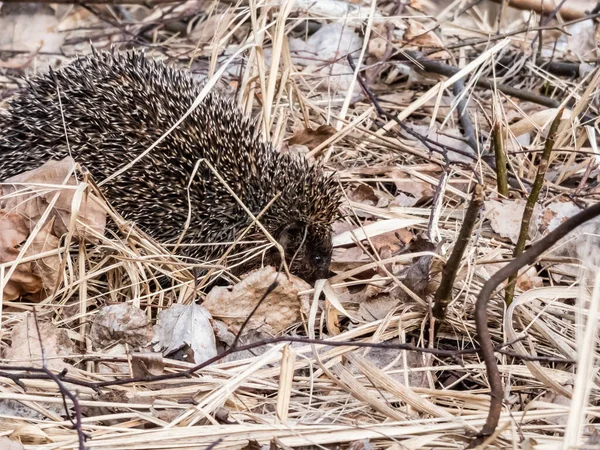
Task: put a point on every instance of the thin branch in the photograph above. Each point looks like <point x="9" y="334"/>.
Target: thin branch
<point x="444" y="292"/>
<point x="501" y="173"/>
<point x="538" y="184"/>
<point x="481" y="316"/>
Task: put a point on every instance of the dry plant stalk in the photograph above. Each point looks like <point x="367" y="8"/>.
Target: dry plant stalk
<point x="533" y="197"/>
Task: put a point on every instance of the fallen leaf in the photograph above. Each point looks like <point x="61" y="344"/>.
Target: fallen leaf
<point x="13" y="232"/>
<point x="26" y="195"/>
<point x="122" y="323"/>
<point x="279" y="310"/>
<point x="363" y="444"/>
<point x="30" y="28"/>
<point x="25" y="349"/>
<point x="374" y="229"/>
<point x="418" y="189"/>
<point x="505" y="217"/>
<point x="187" y="330"/>
<point x="418" y="35"/>
<point x="147" y="364"/>
<point x="377" y="308"/>
<point x="312" y="138"/>
<point x="554" y="214"/>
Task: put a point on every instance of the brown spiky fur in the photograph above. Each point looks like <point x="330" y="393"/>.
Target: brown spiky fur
<point x="116" y="105"/>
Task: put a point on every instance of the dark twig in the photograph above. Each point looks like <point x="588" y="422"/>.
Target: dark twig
<point x="430" y="144"/>
<point x="444" y="292"/>
<point x="481" y="316"/>
<point x="501" y="173"/>
<point x="41" y="374"/>
<point x="447" y="70"/>
<point x="538" y="184"/>
<point x="64" y="391"/>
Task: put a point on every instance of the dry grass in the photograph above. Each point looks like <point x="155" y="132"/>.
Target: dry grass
<point x="319" y="396"/>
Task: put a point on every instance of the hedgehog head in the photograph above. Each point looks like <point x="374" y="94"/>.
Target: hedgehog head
<point x="307" y="248"/>
<point x="301" y="221"/>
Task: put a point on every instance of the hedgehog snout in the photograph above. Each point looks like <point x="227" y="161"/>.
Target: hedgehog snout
<point x="307" y="250"/>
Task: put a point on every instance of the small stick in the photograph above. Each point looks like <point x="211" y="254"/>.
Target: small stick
<point x="481" y="316"/>
<point x="501" y="175"/>
<point x="538" y="183"/>
<point x="444" y="291"/>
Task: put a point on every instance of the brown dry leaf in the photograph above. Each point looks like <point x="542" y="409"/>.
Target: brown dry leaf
<point x="312" y="138"/>
<point x="527" y="280"/>
<point x="377" y="308"/>
<point x="45" y="268"/>
<point x="30" y="28"/>
<point x="393" y="240"/>
<point x="556" y="213"/>
<point x="25" y="347"/>
<point x="363" y="194"/>
<point x="34" y="276"/>
<point x="32" y="202"/>
<point x="147" y="364"/>
<point x="28" y="434"/>
<point x="279" y="310"/>
<point x="505" y="217"/>
<point x="122" y="323"/>
<point x="13" y="232"/>
<point x="363" y="444"/>
<point x="205" y="31"/>
<point x="410" y="185"/>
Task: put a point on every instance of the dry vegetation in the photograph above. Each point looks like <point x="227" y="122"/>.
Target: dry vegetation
<point x="389" y="120"/>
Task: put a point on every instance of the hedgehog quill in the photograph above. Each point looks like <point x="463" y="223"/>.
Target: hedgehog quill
<point x="116" y="105"/>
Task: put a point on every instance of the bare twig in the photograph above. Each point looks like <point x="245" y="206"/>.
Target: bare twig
<point x="447" y="70"/>
<point x="64" y="391"/>
<point x="501" y="174"/>
<point x="481" y="316"/>
<point x="444" y="292"/>
<point x="538" y="184"/>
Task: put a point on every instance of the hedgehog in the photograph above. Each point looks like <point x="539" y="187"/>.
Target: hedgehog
<point x="114" y="105"/>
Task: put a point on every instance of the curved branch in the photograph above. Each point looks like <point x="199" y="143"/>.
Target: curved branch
<point x="481" y="317"/>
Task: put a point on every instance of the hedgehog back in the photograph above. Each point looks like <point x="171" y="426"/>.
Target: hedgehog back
<point x="114" y="106"/>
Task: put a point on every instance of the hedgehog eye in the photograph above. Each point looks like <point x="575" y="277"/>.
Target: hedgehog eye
<point x="318" y="259"/>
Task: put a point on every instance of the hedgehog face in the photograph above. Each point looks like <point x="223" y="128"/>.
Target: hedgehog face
<point x="307" y="249"/>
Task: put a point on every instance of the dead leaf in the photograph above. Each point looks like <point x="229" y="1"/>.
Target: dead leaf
<point x="30" y="28"/>
<point x="122" y="323"/>
<point x="279" y="310"/>
<point x="186" y="330"/>
<point x="418" y="189"/>
<point x="147" y="364"/>
<point x="24" y="195"/>
<point x="365" y="194"/>
<point x="527" y="280"/>
<point x="554" y="214"/>
<point x="13" y="232"/>
<point x="312" y="138"/>
<point x="505" y="217"/>
<point x="424" y="36"/>
<point x="377" y="308"/>
<point x="25" y="346"/>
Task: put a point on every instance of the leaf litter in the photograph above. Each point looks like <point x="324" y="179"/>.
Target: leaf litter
<point x="106" y="313"/>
